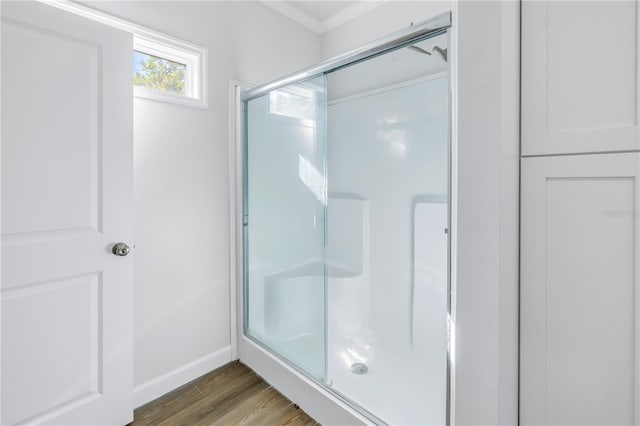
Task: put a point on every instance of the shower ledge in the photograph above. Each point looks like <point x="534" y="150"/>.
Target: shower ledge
<point x="314" y="268"/>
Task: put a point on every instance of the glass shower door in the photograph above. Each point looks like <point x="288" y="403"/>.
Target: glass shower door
<point x="284" y="222"/>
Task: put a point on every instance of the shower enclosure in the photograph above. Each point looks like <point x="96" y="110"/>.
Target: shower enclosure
<point x="346" y="224"/>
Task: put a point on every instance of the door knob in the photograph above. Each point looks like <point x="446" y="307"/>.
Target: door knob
<point x="120" y="249"/>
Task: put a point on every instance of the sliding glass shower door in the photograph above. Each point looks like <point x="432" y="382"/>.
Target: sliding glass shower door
<point x="284" y="219"/>
<point x="346" y="227"/>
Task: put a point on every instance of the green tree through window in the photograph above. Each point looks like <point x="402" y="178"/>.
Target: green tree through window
<point x="158" y="73"/>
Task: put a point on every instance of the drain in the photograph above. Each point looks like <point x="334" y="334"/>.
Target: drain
<point x="359" y="368"/>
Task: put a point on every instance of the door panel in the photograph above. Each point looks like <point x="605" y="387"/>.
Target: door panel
<point x="579" y="290"/>
<point x="43" y="67"/>
<point x="579" y="76"/>
<point x="67" y="197"/>
<point x="285" y="203"/>
<point x="43" y="382"/>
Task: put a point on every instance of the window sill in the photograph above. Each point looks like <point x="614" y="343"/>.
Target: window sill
<point x="144" y="93"/>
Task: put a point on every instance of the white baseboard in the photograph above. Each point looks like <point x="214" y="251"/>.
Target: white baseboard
<point x="155" y="388"/>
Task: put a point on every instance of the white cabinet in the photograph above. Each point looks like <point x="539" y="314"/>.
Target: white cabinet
<point x="579" y="290"/>
<point x="579" y="76"/>
<point x="579" y="295"/>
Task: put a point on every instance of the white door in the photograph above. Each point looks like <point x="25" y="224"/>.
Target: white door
<point x="67" y="197"/>
<point x="579" y="328"/>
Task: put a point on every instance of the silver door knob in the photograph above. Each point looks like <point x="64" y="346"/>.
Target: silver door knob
<point x="120" y="249"/>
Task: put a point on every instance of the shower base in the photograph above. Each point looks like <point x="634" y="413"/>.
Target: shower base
<point x="398" y="385"/>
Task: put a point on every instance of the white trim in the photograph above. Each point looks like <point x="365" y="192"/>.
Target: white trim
<point x="233" y="273"/>
<point x="118" y="23"/>
<point x="167" y="382"/>
<point x="509" y="241"/>
<point x="156" y="95"/>
<point x="2" y="232"/>
<point x="235" y="209"/>
<point x="453" y="50"/>
<point x="296" y="14"/>
<point x="317" y="26"/>
<point x="170" y="47"/>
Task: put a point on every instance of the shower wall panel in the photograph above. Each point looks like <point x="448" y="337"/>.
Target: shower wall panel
<point x="388" y="146"/>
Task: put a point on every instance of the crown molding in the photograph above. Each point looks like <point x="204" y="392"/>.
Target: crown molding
<point x="349" y="14"/>
<point x="319" y="27"/>
<point x="297" y="15"/>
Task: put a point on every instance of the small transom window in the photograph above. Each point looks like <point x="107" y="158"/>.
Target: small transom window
<point x="169" y="70"/>
<point x="158" y="73"/>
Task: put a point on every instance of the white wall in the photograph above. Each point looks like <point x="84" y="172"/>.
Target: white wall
<point x="486" y="182"/>
<point x="181" y="184"/>
<point x="486" y="311"/>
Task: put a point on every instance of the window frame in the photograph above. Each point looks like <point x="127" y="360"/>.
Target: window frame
<point x="193" y="57"/>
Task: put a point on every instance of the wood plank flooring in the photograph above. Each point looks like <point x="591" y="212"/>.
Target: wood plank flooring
<point x="230" y="395"/>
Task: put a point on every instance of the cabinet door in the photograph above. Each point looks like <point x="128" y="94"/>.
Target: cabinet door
<point x="579" y="76"/>
<point x="579" y="290"/>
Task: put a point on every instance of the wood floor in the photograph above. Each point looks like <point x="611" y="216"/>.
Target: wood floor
<point x="230" y="395"/>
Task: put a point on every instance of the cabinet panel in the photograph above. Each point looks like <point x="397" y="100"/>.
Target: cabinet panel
<point x="579" y="290"/>
<point x="579" y="76"/>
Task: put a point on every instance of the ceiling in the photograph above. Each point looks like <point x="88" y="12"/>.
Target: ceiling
<point x="321" y="16"/>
